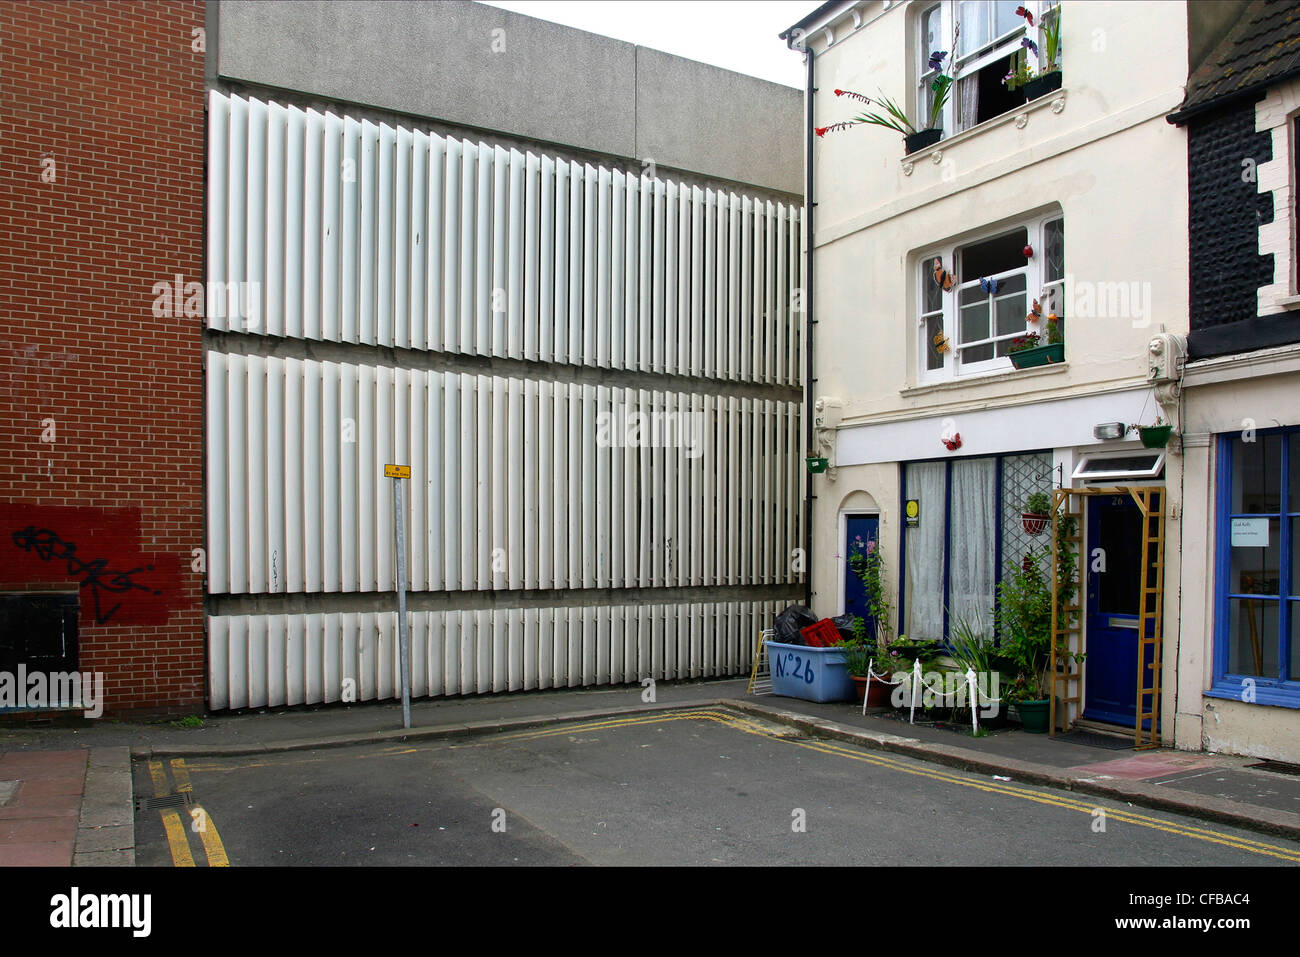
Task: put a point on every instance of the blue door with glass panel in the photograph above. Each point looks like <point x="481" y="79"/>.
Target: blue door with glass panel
<point x="1114" y="563"/>
<point x="860" y="529"/>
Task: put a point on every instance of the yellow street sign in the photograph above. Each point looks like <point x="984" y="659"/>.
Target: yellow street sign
<point x="397" y="471"/>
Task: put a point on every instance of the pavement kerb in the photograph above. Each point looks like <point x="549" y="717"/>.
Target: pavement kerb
<point x="106" y="821"/>
<point x="1158" y="797"/>
<point x="398" y="735"/>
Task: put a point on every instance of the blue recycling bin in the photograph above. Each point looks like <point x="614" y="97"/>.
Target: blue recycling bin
<point x="813" y="674"/>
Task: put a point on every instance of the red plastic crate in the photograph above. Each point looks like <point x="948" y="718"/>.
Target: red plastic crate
<point x="821" y="635"/>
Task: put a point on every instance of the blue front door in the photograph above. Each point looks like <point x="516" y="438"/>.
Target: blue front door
<point x="860" y="529"/>
<point x="1114" y="564"/>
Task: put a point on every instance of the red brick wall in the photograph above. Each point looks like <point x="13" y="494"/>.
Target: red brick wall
<point x="112" y="94"/>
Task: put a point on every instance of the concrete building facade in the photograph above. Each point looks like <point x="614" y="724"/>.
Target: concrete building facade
<point x="260" y="556"/>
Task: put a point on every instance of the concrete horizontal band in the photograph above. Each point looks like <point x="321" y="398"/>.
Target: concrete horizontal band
<point x="252" y="344"/>
<point x="386" y="601"/>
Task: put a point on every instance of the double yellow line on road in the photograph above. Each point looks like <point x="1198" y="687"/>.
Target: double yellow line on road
<point x="936" y="774"/>
<point x="201" y="822"/>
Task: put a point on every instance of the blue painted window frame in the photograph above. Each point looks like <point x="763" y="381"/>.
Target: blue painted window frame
<point x="1278" y="692"/>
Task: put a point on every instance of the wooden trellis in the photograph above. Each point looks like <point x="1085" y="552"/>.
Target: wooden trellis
<point x="1065" y="671"/>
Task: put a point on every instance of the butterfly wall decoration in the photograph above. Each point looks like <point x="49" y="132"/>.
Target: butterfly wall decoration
<point x="990" y="286"/>
<point x="942" y="277"/>
<point x="952" y="444"/>
<point x="940" y="343"/>
<point x="1035" y="313"/>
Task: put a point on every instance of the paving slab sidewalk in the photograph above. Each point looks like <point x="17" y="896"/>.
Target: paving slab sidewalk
<point x="66" y="808"/>
<point x="1213" y="787"/>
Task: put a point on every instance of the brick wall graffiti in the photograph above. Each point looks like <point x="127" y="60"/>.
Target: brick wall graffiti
<point x="99" y="550"/>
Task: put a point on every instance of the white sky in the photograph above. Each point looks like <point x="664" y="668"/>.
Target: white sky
<point x="738" y="35"/>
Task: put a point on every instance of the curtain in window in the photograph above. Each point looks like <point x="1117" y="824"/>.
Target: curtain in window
<point x="924" y="551"/>
<point x="968" y="101"/>
<point x="972" y="567"/>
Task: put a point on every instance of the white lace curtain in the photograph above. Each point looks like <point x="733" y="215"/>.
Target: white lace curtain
<point x="925" y="546"/>
<point x="972" y="569"/>
<point x="971" y="534"/>
<point x="968" y="101"/>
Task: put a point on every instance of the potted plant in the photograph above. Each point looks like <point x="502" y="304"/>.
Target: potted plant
<point x="858" y="661"/>
<point x="1024" y="618"/>
<point x="971" y="649"/>
<point x="1037" y="513"/>
<point x="1153" y="436"/>
<point x="1022" y="73"/>
<point x="1029" y="350"/>
<point x="867" y="562"/>
<point x="1050" y="78"/>
<point x="817" y="464"/>
<point x="892" y="116"/>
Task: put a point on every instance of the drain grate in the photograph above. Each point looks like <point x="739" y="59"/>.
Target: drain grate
<point x="167" y="800"/>
<point x="1277" y="767"/>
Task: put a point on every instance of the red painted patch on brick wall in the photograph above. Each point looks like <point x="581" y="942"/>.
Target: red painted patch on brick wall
<point x="97" y="549"/>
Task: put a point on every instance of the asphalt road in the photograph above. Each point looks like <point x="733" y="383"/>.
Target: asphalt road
<point x="681" y="788"/>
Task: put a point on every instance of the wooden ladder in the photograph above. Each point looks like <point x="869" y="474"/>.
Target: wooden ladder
<point x="1146" y="730"/>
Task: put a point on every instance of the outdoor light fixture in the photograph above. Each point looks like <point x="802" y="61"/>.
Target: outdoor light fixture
<point x="1108" y="430"/>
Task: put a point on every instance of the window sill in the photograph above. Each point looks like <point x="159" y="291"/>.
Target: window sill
<point x="1020" y="116"/>
<point x="1264" y="695"/>
<point x="983" y="379"/>
<point x="1289" y="302"/>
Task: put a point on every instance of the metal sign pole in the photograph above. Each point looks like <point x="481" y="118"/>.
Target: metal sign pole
<point x="398" y="472"/>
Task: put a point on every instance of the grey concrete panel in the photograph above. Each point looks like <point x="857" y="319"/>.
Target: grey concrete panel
<point x="702" y="118"/>
<point x="435" y="58"/>
<point x="534" y="81"/>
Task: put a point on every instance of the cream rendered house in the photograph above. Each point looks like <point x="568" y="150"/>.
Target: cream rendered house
<point x="1077" y="199"/>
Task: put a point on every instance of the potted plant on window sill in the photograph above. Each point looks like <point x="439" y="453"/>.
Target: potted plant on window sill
<point x="1028" y="351"/>
<point x="1050" y="78"/>
<point x="892" y="116"/>
<point x="1037" y="513"/>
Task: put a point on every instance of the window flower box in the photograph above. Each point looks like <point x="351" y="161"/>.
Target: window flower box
<point x="1042" y="85"/>
<point x="1038" y="356"/>
<point x="921" y="139"/>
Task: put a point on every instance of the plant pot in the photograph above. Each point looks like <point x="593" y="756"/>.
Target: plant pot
<point x="1155" y="436"/>
<point x="998" y="719"/>
<point x="1042" y="85"/>
<point x="877" y="695"/>
<point x="1038" y="356"/>
<point x="1034" y="522"/>
<point x="816" y="464"/>
<point x="921" y="139"/>
<point x="1034" y="715"/>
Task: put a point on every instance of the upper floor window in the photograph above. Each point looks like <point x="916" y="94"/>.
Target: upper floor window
<point x="971" y="327"/>
<point x="989" y="44"/>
